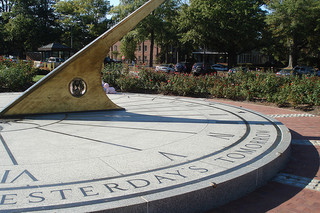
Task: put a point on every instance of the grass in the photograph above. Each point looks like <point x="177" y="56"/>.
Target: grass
<point x="38" y="77"/>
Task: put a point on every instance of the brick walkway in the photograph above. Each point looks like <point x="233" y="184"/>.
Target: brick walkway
<point x="297" y="188"/>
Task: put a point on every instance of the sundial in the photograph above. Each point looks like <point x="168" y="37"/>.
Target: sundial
<point x="64" y="149"/>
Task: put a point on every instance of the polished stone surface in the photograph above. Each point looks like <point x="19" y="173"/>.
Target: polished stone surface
<point x="161" y="154"/>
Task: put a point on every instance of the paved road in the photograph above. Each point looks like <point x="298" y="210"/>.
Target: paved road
<point x="297" y="188"/>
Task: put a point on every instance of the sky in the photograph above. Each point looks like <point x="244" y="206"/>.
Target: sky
<point x="114" y="2"/>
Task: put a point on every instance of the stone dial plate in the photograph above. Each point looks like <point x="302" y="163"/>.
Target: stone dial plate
<point x="160" y="149"/>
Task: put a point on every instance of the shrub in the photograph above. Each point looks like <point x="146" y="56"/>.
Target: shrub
<point x="250" y="86"/>
<point x="111" y="73"/>
<point x="15" y="76"/>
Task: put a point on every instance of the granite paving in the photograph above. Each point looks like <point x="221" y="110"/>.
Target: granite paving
<point x="162" y="154"/>
<point x="296" y="188"/>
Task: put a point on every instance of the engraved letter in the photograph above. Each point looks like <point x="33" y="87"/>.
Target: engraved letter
<point x="85" y="192"/>
<point x="167" y="155"/>
<point x="143" y="183"/>
<point x="220" y="135"/>
<point x="221" y="158"/>
<point x="247" y="151"/>
<point x="5" y="176"/>
<point x="201" y="170"/>
<point x="253" y="146"/>
<point x="5" y="198"/>
<point x="159" y="178"/>
<point x="115" y="186"/>
<point x="32" y="195"/>
<point x="236" y="155"/>
<point x="177" y="173"/>
<point x="27" y="173"/>
<point x="63" y="197"/>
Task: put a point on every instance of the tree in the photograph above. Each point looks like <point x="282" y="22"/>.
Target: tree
<point x="129" y="45"/>
<point x="28" y="24"/>
<point x="232" y="26"/>
<point x="152" y="27"/>
<point x="83" y="20"/>
<point x="295" y="26"/>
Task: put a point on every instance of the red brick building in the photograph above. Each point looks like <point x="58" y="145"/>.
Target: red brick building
<point x="142" y="52"/>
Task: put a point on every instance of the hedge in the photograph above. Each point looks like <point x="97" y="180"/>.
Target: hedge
<point x="15" y="76"/>
<point x="250" y="86"/>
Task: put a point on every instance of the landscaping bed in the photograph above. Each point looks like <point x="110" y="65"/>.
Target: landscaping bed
<point x="299" y="92"/>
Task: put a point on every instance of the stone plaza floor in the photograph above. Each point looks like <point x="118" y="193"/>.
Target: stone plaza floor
<point x="294" y="189"/>
<point x="297" y="188"/>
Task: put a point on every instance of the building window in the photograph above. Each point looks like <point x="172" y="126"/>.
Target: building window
<point x="139" y="58"/>
<point x="145" y="48"/>
<point x="115" y="48"/>
<point x="146" y="58"/>
<point x="139" y="48"/>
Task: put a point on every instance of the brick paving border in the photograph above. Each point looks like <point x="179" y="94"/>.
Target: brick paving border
<point x="296" y="189"/>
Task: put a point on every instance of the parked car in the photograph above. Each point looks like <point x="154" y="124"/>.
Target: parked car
<point x="183" y="67"/>
<point x="13" y="58"/>
<point x="304" y="70"/>
<point x="180" y="67"/>
<point x="202" y="68"/>
<point x="285" y="72"/>
<point x="168" y="68"/>
<point x="237" y="69"/>
<point x="219" y="67"/>
<point x="53" y="62"/>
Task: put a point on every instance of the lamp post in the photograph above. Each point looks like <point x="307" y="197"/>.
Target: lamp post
<point x="72" y="25"/>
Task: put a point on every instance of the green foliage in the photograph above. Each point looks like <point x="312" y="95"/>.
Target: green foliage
<point x="27" y="25"/>
<point x="84" y="20"/>
<point x="294" y="25"/>
<point x="111" y="73"/>
<point x="288" y="28"/>
<point x="223" y="25"/>
<point x="129" y="45"/>
<point x="251" y="86"/>
<point x="158" y="26"/>
<point x="15" y="76"/>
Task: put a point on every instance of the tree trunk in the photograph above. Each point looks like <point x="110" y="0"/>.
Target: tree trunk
<point x="204" y="54"/>
<point x="232" y="59"/>
<point x="167" y="54"/>
<point x="143" y="52"/>
<point x="151" y="48"/>
<point x="293" y="53"/>
<point x="290" y="61"/>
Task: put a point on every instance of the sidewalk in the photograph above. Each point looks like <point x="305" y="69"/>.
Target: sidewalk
<point x="297" y="188"/>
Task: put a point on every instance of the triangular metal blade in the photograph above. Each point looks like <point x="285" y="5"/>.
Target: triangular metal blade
<point x="75" y="85"/>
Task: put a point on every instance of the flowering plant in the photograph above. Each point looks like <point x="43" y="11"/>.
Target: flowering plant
<point x="252" y="86"/>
